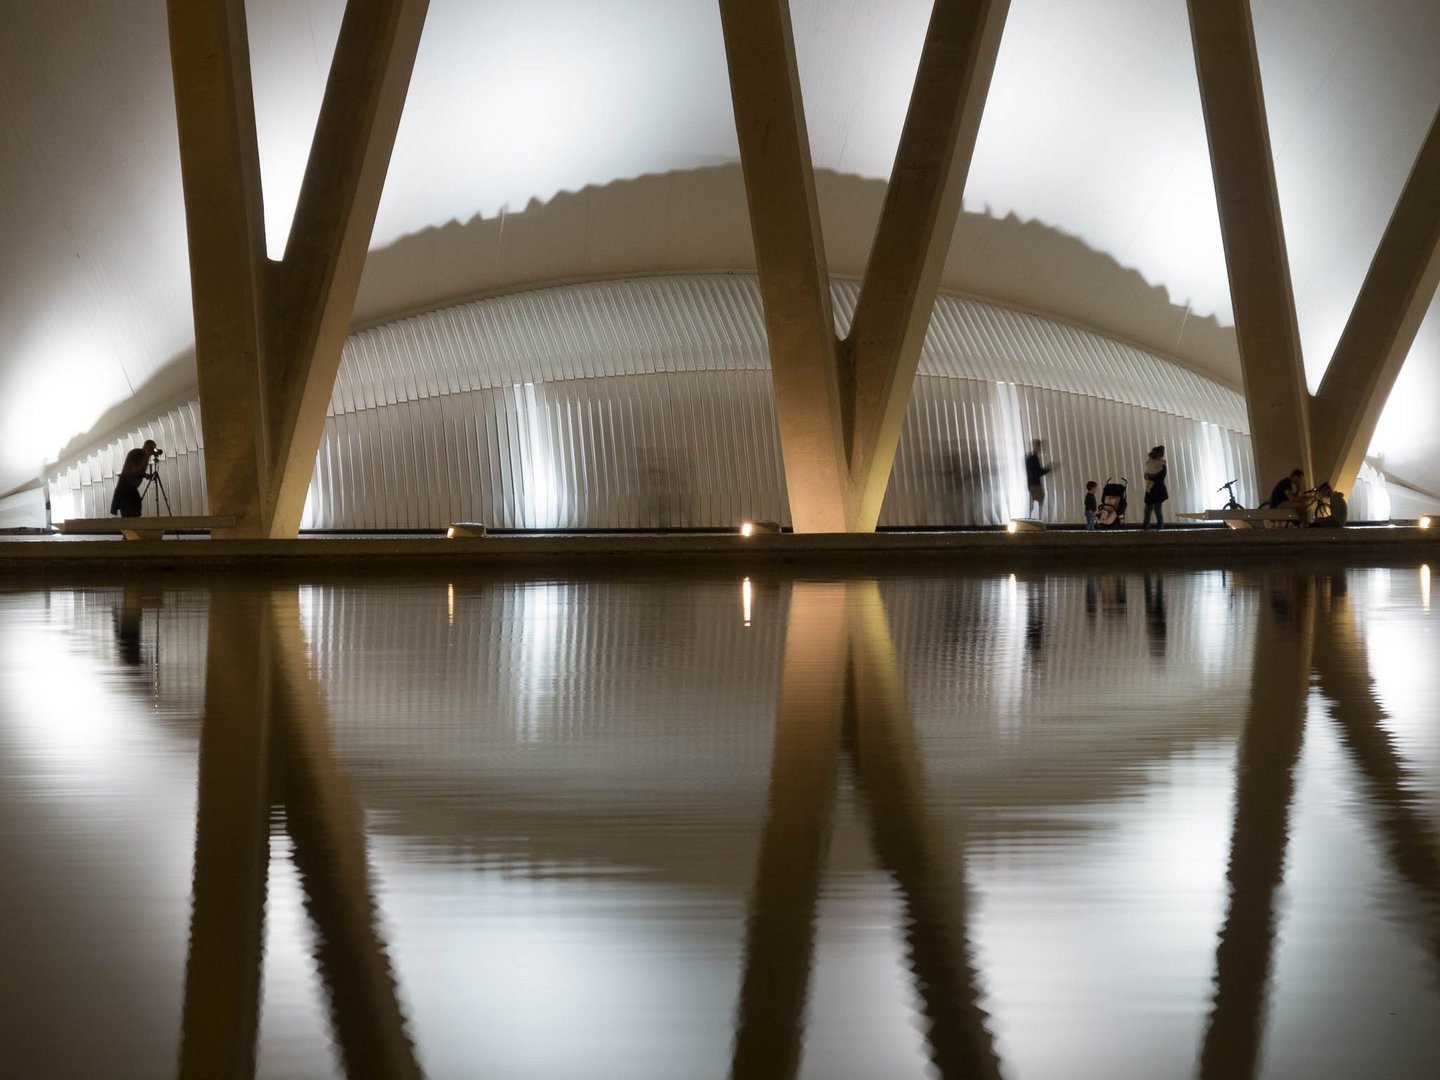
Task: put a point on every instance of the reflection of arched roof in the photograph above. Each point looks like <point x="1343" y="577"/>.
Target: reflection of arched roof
<point x="573" y="140"/>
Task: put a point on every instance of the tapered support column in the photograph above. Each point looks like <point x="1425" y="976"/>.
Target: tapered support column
<point x="1230" y="92"/>
<point x="268" y="336"/>
<point x="810" y="390"/>
<point x="230" y="277"/>
<point x="334" y="218"/>
<point x="840" y="406"/>
<point x="922" y="204"/>
<point x="1392" y="303"/>
<point x="1264" y="789"/>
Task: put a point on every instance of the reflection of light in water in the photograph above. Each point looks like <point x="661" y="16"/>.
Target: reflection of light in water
<point x="294" y="1021"/>
<point x="1213" y="623"/>
<point x="1095" y="919"/>
<point x="1425" y="588"/>
<point x="541" y="610"/>
<point x="1379" y="582"/>
<point x="745" y="595"/>
<point x="450" y="601"/>
<point x="546" y="939"/>
<point x="309" y="599"/>
<point x="64" y="715"/>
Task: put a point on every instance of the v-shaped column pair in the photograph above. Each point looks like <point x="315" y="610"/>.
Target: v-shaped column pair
<point x="1329" y="434"/>
<point x="841" y="403"/>
<point x="268" y="335"/>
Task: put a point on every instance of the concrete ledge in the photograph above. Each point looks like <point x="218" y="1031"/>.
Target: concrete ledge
<point x="1247" y="519"/>
<point x="880" y="553"/>
<point x="144" y="528"/>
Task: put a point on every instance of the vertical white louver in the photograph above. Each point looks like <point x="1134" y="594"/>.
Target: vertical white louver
<point x="646" y="403"/>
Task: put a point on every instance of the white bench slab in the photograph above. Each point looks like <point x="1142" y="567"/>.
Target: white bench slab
<point x="144" y="528"/>
<point x="1249" y="519"/>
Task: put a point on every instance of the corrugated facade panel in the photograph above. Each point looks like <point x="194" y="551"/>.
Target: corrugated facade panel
<point x="646" y="402"/>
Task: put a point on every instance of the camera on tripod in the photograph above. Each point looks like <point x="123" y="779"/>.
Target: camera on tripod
<point x="157" y="453"/>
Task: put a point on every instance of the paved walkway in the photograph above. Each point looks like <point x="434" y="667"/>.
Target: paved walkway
<point x="884" y="553"/>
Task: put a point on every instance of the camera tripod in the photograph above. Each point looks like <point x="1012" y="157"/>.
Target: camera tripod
<point x="1232" y="503"/>
<point x="153" y="481"/>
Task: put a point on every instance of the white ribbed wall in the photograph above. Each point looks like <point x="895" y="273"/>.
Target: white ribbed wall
<point x="83" y="488"/>
<point x="646" y="402"/>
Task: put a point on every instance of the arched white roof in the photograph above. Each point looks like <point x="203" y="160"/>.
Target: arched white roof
<point x="573" y="139"/>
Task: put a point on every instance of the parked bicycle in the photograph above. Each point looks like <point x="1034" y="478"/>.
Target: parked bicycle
<point x="1232" y="503"/>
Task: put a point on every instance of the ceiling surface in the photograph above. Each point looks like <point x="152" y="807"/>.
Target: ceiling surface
<point x="554" y="140"/>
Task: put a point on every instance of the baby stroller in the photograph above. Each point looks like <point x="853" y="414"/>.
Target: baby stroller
<point x="1112" y="504"/>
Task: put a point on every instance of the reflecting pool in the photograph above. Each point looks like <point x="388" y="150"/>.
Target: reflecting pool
<point x="1117" y="825"/>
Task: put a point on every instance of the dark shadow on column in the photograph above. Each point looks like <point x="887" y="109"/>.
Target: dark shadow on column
<point x="227" y="926"/>
<point x="880" y="735"/>
<point x="1264" y="788"/>
<point x="780" y="932"/>
<point x="327" y="831"/>
<point x="1343" y="673"/>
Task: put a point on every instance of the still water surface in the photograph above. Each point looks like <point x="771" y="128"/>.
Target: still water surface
<point x="1125" y="825"/>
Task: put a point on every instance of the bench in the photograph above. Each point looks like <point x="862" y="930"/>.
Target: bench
<point x="144" y="528"/>
<point x="1262" y="518"/>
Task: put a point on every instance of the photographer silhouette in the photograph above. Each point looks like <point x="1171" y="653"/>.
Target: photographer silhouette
<point x="137" y="468"/>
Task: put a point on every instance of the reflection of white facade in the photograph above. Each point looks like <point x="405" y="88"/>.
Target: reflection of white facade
<point x="564" y="787"/>
<point x="576" y="141"/>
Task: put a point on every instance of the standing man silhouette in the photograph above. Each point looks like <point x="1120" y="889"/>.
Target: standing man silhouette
<point x="126" y="500"/>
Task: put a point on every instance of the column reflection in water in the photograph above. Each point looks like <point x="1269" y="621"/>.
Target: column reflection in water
<point x="1264" y="787"/>
<point x="1393" y="793"/>
<point x="841" y="688"/>
<point x="265" y="742"/>
<point x="1306" y="627"/>
<point x="1071" y="823"/>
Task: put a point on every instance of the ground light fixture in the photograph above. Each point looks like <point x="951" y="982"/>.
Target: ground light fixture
<point x="1019" y="525"/>
<point x="752" y="528"/>
<point x="465" y="530"/>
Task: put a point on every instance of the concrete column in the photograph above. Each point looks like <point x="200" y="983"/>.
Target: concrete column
<point x="330" y="237"/>
<point x="922" y="203"/>
<point x="1392" y="303"/>
<point x="1275" y="389"/>
<point x="1264" y="789"/>
<point x="841" y="407"/>
<point x="790" y="257"/>
<point x="230" y="277"/>
<point x="268" y="336"/>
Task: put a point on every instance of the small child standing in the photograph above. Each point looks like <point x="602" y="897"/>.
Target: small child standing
<point x="1092" y="507"/>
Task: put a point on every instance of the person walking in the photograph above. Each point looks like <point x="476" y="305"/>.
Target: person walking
<point x="1156" y="491"/>
<point x="1035" y="472"/>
